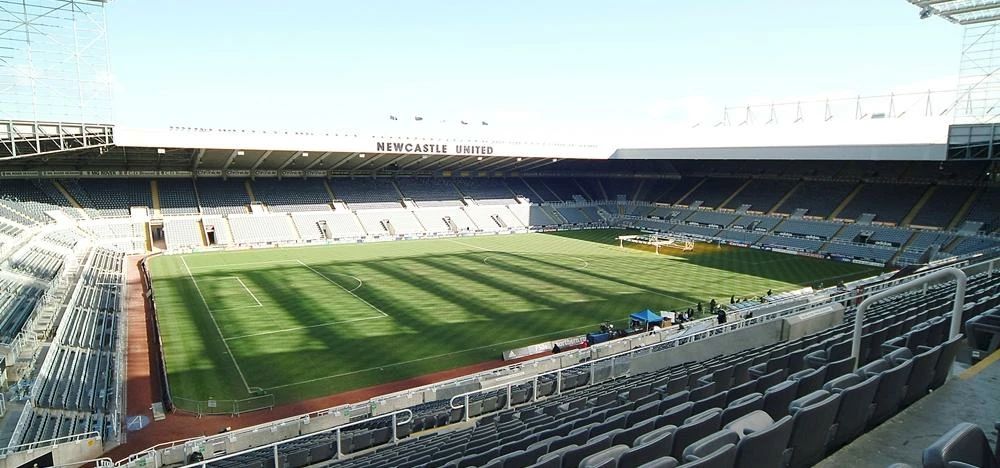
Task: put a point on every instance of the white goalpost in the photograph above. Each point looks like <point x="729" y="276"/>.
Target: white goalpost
<point x="658" y="241"/>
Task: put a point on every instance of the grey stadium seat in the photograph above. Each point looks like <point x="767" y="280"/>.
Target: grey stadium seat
<point x="813" y="419"/>
<point x="965" y="443"/>
<point x="696" y="427"/>
<point x="857" y="396"/>
<point x="600" y="458"/>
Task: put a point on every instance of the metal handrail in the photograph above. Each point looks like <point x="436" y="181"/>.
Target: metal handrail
<point x="53" y="441"/>
<point x="956" y="311"/>
<point x="396" y="422"/>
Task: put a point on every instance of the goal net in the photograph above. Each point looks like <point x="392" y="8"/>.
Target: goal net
<point x="658" y="241"/>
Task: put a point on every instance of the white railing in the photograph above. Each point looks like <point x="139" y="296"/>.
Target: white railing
<point x="49" y="442"/>
<point x="397" y="418"/>
<point x="956" y="312"/>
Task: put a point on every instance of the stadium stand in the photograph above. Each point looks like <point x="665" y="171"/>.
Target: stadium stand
<point x="818" y="230"/>
<point x="36" y="197"/>
<point x="262" y="229"/>
<point x="182" y="233"/>
<point x="819" y="197"/>
<point x="520" y="188"/>
<point x="222" y="196"/>
<point x="620" y="188"/>
<point x="794" y="243"/>
<point x="17" y="301"/>
<point x="38" y="263"/>
<point x="444" y="220"/>
<point x="393" y="222"/>
<point x="715" y="191"/>
<point x="77" y="391"/>
<point x="986" y="209"/>
<point x="486" y="191"/>
<point x="339" y="225"/>
<point x="366" y="194"/>
<point x="861" y="252"/>
<point x="177" y="197"/>
<point x="876" y="234"/>
<point x="110" y="198"/>
<point x="292" y="194"/>
<point x="755" y="223"/>
<point x="761" y="194"/>
<point x="565" y="188"/>
<point x="711" y="217"/>
<point x="940" y="208"/>
<point x="889" y="202"/>
<point x="429" y="192"/>
<point x="676" y="191"/>
<point x="540" y="187"/>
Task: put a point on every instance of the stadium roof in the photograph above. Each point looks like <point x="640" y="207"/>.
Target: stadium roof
<point x="962" y="12"/>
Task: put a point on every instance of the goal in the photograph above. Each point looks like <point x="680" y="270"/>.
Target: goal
<point x="658" y="241"/>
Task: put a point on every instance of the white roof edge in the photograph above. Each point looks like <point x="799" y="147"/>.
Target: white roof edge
<point x="924" y="138"/>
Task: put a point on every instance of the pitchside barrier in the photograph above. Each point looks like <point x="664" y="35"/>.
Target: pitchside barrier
<point x="600" y="363"/>
<point x="223" y="407"/>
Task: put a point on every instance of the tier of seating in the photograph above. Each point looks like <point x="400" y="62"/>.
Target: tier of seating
<point x="110" y="197"/>
<point x="818" y="230"/>
<point x="37" y="262"/>
<point x="785" y="404"/>
<point x="445" y="220"/>
<point x="76" y="389"/>
<point x="892" y="236"/>
<point x="339" y="225"/>
<point x="712" y="217"/>
<point x="793" y="243"/>
<point x="486" y="191"/>
<point x="761" y="194"/>
<point x="714" y="191"/>
<point x="292" y="194"/>
<point x="366" y="194"/>
<point x="182" y="233"/>
<point x="17" y="302"/>
<point x="219" y="196"/>
<point x="889" y="202"/>
<point x="429" y="192"/>
<point x="861" y="252"/>
<point x="819" y="197"/>
<point x="261" y="228"/>
<point x="49" y="424"/>
<point x="35" y="197"/>
<point x="177" y="197"/>
<point x="394" y="222"/>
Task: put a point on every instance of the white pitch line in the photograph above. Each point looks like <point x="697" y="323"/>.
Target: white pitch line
<point x="221" y="267"/>
<point x="209" y="310"/>
<point x="348" y="291"/>
<point x="249" y="291"/>
<point x="238" y="308"/>
<point x="271" y="332"/>
<point x="395" y="364"/>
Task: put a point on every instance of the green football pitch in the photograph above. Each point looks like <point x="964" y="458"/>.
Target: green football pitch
<point x="313" y="321"/>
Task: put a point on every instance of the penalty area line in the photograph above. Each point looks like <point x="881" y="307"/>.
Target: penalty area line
<point x="211" y="316"/>
<point x="306" y="327"/>
<point x="348" y="291"/>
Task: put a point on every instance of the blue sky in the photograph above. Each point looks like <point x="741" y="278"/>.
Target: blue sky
<point x="330" y="63"/>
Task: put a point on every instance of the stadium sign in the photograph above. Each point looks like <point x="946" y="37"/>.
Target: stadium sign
<point x="432" y="148"/>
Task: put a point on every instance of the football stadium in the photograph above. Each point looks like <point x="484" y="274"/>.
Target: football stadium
<point x="795" y="284"/>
